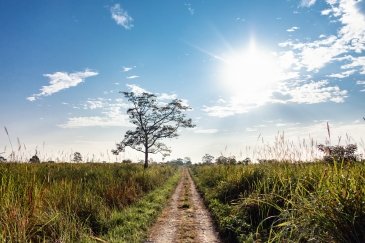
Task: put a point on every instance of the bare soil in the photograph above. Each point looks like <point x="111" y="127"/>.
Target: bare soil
<point x="185" y="218"/>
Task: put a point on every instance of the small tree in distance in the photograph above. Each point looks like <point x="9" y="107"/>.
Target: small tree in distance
<point x="207" y="158"/>
<point x="153" y="122"/>
<point x="34" y="159"/>
<point x="77" y="157"/>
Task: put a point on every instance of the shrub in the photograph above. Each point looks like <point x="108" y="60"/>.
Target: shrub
<point x="34" y="159"/>
<point x="338" y="153"/>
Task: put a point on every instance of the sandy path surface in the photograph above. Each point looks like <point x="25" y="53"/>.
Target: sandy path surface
<point x="185" y="218"/>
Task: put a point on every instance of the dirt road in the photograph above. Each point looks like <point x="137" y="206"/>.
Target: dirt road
<point x="185" y="218"/>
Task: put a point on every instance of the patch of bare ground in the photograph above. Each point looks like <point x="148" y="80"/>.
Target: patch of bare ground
<point x="185" y="218"/>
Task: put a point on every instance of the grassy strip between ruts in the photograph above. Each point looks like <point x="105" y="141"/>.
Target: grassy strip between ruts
<point x="132" y="223"/>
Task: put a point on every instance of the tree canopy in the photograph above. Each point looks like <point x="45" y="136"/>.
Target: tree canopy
<point x="154" y="121"/>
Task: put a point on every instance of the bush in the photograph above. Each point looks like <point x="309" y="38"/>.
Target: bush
<point x="338" y="153"/>
<point x="34" y="159"/>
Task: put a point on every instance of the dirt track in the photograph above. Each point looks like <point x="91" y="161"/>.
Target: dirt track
<point x="185" y="218"/>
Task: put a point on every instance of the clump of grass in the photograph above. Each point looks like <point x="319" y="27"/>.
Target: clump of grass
<point x="131" y="224"/>
<point x="280" y="202"/>
<point x="68" y="202"/>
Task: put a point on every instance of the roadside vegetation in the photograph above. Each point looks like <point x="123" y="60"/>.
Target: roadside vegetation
<point x="285" y="202"/>
<point x="80" y="202"/>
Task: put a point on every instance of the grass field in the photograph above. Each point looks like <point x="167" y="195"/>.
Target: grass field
<point x="310" y="202"/>
<point x="79" y="202"/>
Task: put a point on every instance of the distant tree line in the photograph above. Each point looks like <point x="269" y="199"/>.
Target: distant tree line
<point x="208" y="159"/>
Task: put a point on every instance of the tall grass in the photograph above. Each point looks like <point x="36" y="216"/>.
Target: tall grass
<point x="286" y="202"/>
<point x="69" y="202"/>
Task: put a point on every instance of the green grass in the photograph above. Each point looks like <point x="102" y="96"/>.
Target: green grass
<point x="70" y="202"/>
<point x="286" y="202"/>
<point x="131" y="224"/>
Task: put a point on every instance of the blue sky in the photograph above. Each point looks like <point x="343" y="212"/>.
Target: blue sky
<point x="249" y="70"/>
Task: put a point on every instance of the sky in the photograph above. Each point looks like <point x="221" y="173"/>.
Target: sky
<point x="252" y="71"/>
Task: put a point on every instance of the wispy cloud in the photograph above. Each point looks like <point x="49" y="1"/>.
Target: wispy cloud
<point x="165" y="96"/>
<point x="126" y="69"/>
<point x="206" y="131"/>
<point x="307" y="3"/>
<point x="121" y="17"/>
<point x="356" y="62"/>
<point x="93" y="104"/>
<point x="292" y="29"/>
<point x="60" y="81"/>
<point x="190" y="8"/>
<point x="316" y="92"/>
<point x="326" y="11"/>
<point x="349" y="39"/>
<point x="136" y="89"/>
<point x="361" y="82"/>
<point x="112" y="113"/>
<point x="95" y="121"/>
<point x="230" y="108"/>
<point x="341" y="75"/>
<point x="301" y="93"/>
<point x="132" y="77"/>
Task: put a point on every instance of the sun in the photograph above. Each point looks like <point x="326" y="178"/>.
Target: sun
<point x="250" y="73"/>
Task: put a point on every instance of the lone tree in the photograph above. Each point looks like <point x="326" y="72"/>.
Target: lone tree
<point x="154" y="122"/>
<point x="77" y="157"/>
<point x="207" y="158"/>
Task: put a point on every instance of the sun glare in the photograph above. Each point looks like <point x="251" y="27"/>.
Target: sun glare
<point x="250" y="73"/>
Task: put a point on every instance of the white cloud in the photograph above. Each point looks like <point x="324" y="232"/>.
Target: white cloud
<point x="356" y="62"/>
<point x="121" y="17"/>
<point x="316" y="92"/>
<point x="136" y="89"/>
<point x="232" y="107"/>
<point x="165" y="96"/>
<point x="113" y="114"/>
<point x="326" y="11"/>
<point x="341" y="75"/>
<point x="287" y="60"/>
<point x="307" y="93"/>
<point x="93" y="104"/>
<point x="349" y="38"/>
<point x="361" y="82"/>
<point x="94" y="121"/>
<point x="161" y="97"/>
<point x="292" y="29"/>
<point x="307" y="3"/>
<point x="62" y="80"/>
<point x="126" y="69"/>
<point x="133" y="77"/>
<point x="206" y="131"/>
<point x="190" y="8"/>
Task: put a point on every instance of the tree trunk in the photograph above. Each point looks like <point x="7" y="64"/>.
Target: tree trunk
<point x="146" y="159"/>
